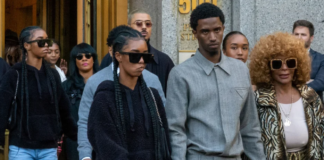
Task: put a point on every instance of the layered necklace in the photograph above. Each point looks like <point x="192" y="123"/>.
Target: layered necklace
<point x="287" y="121"/>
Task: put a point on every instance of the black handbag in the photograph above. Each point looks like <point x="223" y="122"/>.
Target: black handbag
<point x="164" y="141"/>
<point x="12" y="121"/>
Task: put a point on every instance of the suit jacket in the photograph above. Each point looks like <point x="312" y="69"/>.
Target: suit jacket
<point x="317" y="73"/>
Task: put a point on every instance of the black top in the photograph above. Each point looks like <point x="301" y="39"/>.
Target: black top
<point x="106" y="61"/>
<point x="43" y="123"/>
<point x="317" y="72"/>
<point x="4" y="67"/>
<point x="161" y="66"/>
<point x="102" y="131"/>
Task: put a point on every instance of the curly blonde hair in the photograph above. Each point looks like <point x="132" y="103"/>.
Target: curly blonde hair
<point x="272" y="46"/>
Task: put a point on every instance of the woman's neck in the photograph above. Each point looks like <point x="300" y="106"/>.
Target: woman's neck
<point x="127" y="80"/>
<point x="283" y="89"/>
<point x="86" y="75"/>
<point x="34" y="61"/>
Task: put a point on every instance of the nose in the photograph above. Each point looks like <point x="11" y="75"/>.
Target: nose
<point x="141" y="61"/>
<point x="212" y="36"/>
<point x="240" y="52"/>
<point x="284" y="66"/>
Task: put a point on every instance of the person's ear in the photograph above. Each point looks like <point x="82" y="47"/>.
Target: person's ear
<point x="194" y="32"/>
<point x="27" y="46"/>
<point x="118" y="57"/>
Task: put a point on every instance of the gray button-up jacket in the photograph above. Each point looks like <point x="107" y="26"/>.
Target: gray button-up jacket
<point x="211" y="111"/>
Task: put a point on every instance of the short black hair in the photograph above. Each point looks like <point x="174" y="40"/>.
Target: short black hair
<point x="229" y="35"/>
<point x="114" y="33"/>
<point x="304" y="23"/>
<point x="203" y="11"/>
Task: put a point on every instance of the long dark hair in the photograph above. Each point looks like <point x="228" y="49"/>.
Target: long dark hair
<point x="75" y="76"/>
<point x="121" y="40"/>
<point x="25" y="36"/>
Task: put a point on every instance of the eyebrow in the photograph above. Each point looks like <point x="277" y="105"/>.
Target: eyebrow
<point x="237" y="44"/>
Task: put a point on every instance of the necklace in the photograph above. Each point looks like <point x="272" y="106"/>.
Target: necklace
<point x="287" y="121"/>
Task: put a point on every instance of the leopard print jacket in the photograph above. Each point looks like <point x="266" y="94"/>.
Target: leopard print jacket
<point x="273" y="136"/>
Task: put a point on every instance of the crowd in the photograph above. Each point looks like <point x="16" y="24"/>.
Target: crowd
<point x="138" y="105"/>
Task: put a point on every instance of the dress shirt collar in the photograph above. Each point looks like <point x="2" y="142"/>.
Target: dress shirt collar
<point x="208" y="66"/>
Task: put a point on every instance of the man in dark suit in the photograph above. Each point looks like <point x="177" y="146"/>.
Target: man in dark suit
<point x="162" y="63"/>
<point x="305" y="30"/>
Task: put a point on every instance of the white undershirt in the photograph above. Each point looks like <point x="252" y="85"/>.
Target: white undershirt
<point x="297" y="133"/>
<point x="61" y="73"/>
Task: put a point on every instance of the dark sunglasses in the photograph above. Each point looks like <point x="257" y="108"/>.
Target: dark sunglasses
<point x="278" y="63"/>
<point x="148" y="24"/>
<point x="80" y="56"/>
<point x="42" y="42"/>
<point x="136" y="57"/>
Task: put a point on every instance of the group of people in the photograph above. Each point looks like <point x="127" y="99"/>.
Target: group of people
<point x="137" y="105"/>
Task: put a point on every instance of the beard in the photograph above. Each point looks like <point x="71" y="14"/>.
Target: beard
<point x="213" y="53"/>
<point x="308" y="43"/>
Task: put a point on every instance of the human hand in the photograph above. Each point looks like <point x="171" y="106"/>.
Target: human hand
<point x="63" y="66"/>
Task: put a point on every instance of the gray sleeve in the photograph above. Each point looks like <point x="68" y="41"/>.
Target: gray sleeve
<point x="250" y="129"/>
<point x="84" y="146"/>
<point x="160" y="90"/>
<point x="176" y="111"/>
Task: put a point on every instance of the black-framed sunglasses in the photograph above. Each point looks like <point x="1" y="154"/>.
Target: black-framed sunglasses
<point x="80" y="56"/>
<point x="42" y="42"/>
<point x="278" y="63"/>
<point x="136" y="57"/>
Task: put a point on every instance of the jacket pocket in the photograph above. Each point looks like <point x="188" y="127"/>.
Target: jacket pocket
<point x="43" y="127"/>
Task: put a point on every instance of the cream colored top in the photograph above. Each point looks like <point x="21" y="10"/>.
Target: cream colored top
<point x="297" y="133"/>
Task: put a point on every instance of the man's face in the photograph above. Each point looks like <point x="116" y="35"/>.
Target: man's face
<point x="142" y="23"/>
<point x="303" y="33"/>
<point x="209" y="33"/>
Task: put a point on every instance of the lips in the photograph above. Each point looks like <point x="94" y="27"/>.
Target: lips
<point x="85" y="64"/>
<point x="284" y="76"/>
<point x="213" y="45"/>
<point x="144" y="33"/>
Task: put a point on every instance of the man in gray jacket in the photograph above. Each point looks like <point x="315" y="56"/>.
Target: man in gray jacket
<point x="210" y="105"/>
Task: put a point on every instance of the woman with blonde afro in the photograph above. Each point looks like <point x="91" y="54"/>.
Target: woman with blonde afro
<point x="290" y="112"/>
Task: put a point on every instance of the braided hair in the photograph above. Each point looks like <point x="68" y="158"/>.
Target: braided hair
<point x="25" y="36"/>
<point x="121" y="39"/>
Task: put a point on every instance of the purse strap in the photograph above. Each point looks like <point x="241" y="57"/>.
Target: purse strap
<point x="156" y="107"/>
<point x="16" y="86"/>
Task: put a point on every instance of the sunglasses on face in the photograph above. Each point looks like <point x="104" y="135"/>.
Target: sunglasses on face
<point x="278" y="63"/>
<point x="80" y="56"/>
<point x="148" y="24"/>
<point x="42" y="42"/>
<point x="136" y="57"/>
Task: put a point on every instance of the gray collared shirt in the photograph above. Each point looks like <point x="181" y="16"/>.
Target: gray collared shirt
<point x="211" y="110"/>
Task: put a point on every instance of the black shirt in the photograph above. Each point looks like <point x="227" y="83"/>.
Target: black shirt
<point x="106" y="61"/>
<point x="103" y="135"/>
<point x="161" y="66"/>
<point x="43" y="119"/>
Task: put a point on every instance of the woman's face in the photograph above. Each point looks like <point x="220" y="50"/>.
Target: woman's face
<point x="237" y="46"/>
<point x="284" y="75"/>
<point x="53" y="55"/>
<point x="33" y="49"/>
<point x="133" y="46"/>
<point x="84" y="62"/>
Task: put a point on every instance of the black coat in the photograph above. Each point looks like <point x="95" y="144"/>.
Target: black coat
<point x="43" y="122"/>
<point x="102" y="130"/>
<point x="161" y="66"/>
<point x="74" y="94"/>
<point x="4" y="67"/>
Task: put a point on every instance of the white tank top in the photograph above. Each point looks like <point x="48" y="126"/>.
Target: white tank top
<point x="297" y="133"/>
